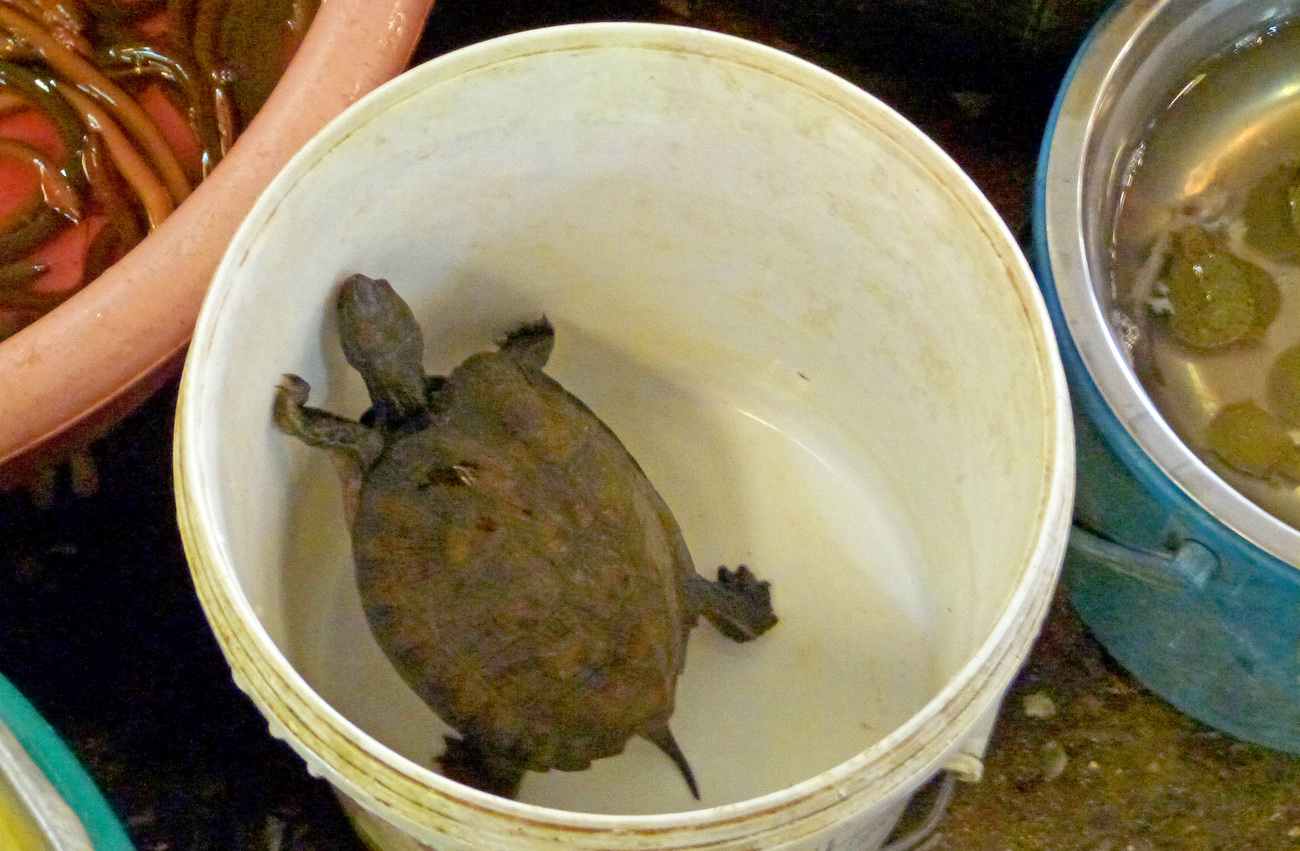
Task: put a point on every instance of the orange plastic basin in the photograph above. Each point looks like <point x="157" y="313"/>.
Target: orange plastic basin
<point x="75" y="372"/>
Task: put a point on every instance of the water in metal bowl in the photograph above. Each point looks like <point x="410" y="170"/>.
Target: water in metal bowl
<point x="1220" y="167"/>
<point x="1173" y="111"/>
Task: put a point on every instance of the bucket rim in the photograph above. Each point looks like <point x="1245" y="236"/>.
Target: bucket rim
<point x="399" y="790"/>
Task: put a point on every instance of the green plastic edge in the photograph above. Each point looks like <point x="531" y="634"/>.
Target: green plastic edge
<point x="62" y="768"/>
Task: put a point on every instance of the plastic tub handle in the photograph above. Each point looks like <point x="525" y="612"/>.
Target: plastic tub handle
<point x="1190" y="564"/>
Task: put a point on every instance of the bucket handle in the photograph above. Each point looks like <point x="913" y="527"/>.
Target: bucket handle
<point x="1188" y="565"/>
<point x="923" y="837"/>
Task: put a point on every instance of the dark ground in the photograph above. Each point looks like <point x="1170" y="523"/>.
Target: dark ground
<point x="100" y="627"/>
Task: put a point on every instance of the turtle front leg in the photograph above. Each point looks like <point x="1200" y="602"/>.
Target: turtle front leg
<point x="360" y="444"/>
<point x="739" y="604"/>
<point x="353" y="446"/>
<point x="465" y="761"/>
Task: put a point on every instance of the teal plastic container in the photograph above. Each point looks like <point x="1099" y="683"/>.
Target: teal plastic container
<point x="67" y="779"/>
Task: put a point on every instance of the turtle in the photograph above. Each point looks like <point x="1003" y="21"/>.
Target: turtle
<point x="514" y="562"/>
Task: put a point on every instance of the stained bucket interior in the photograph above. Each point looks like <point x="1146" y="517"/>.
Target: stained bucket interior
<point x="807" y="326"/>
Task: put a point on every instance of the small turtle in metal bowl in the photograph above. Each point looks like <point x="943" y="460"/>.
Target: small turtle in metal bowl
<point x="515" y="563"/>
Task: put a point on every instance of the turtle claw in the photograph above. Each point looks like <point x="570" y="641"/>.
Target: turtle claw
<point x="531" y="343"/>
<point x="743" y="581"/>
<point x="295" y="387"/>
<point x="290" y="397"/>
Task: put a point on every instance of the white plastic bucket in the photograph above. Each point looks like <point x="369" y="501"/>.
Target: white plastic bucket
<point x="805" y="322"/>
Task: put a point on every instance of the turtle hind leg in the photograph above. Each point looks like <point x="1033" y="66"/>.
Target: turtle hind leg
<point x="465" y="761"/>
<point x="662" y="738"/>
<point x="530" y="344"/>
<point x="738" y="604"/>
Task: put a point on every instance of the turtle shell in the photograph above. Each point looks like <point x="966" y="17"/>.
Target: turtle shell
<point x="521" y="572"/>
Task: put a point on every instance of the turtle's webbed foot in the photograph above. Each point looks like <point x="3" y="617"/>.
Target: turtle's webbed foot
<point x="530" y="344"/>
<point x="739" y="604"/>
<point x="465" y="762"/>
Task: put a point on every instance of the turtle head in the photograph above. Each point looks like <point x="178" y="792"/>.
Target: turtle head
<point x="383" y="342"/>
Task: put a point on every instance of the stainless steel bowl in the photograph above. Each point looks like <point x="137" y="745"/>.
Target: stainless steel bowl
<point x="1189" y="584"/>
<point x="1133" y="65"/>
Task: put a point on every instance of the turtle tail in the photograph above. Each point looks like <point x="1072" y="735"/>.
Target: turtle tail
<point x="663" y="739"/>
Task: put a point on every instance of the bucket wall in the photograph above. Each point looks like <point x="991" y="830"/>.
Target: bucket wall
<point x="803" y="320"/>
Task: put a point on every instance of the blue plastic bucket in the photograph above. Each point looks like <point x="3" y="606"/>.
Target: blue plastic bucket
<point x="1189" y="585"/>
